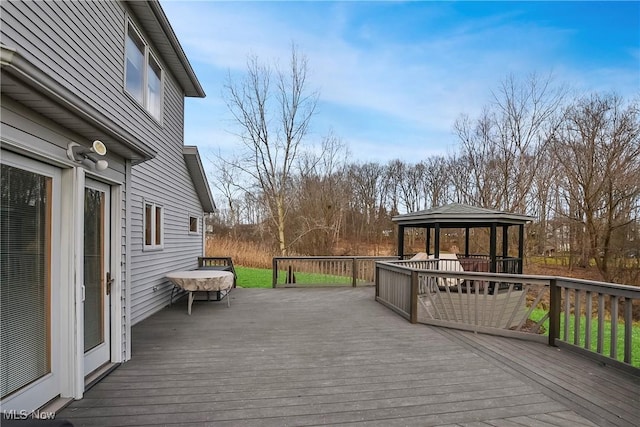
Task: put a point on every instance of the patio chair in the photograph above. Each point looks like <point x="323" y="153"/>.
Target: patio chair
<point x="448" y="262"/>
<point x="218" y="263"/>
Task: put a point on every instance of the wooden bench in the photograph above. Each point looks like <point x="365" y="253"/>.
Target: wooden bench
<point x="218" y="263"/>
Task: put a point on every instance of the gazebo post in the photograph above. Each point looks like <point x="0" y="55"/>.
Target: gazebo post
<point x="505" y="241"/>
<point x="505" y="249"/>
<point x="436" y="248"/>
<point x="493" y="246"/>
<point x="428" y="240"/>
<point x="401" y="241"/>
<point x="466" y="242"/>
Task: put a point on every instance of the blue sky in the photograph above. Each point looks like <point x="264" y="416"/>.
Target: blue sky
<point x="394" y="76"/>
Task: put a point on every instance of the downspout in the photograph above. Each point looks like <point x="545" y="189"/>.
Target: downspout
<point x="126" y="345"/>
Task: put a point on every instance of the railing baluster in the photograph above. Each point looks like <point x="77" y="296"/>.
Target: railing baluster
<point x="460" y="301"/>
<point x="450" y="301"/>
<point x="476" y="291"/>
<point x="600" y="343"/>
<point x="587" y="316"/>
<point x="614" y="327"/>
<point x="567" y="314"/>
<point x="555" y="298"/>
<point x="576" y="317"/>
<point x="530" y="310"/>
<point x="628" y="328"/>
<point x="468" y="297"/>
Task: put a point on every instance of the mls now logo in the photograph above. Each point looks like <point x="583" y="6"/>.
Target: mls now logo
<point x="14" y="414"/>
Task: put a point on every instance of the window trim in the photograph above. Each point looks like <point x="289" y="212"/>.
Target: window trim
<point x="154" y="231"/>
<point x="198" y="226"/>
<point x="148" y="56"/>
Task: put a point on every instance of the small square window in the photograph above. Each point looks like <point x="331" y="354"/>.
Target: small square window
<point x="193" y="224"/>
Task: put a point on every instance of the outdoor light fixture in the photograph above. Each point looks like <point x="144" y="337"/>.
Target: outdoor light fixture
<point x="88" y="156"/>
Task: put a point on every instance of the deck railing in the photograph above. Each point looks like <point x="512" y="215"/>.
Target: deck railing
<point x="592" y="317"/>
<point x="307" y="271"/>
<point x="597" y="318"/>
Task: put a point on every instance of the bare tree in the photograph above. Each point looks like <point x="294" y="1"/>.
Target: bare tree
<point x="367" y="199"/>
<point x="437" y="182"/>
<point x="320" y="199"/>
<point x="273" y="119"/>
<point x="226" y="183"/>
<point x="526" y="117"/>
<point x="598" y="149"/>
<point x="502" y="147"/>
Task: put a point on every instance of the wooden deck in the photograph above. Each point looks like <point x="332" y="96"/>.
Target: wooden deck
<point x="288" y="357"/>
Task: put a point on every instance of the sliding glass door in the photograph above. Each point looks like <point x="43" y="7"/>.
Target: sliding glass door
<point x="28" y="213"/>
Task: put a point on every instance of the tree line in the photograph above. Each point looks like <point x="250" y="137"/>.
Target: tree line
<point x="571" y="161"/>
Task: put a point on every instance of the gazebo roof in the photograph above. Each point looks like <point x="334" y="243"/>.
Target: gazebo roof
<point x="458" y="215"/>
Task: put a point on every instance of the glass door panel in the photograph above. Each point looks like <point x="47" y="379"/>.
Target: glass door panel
<point x="25" y="278"/>
<point x="94" y="273"/>
<point x="97" y="346"/>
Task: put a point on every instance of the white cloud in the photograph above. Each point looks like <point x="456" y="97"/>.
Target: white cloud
<point x="414" y="87"/>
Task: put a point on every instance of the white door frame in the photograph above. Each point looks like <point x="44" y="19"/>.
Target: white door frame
<point x="101" y="354"/>
<point x="79" y="176"/>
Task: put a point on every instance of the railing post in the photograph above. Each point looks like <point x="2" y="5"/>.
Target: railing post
<point x="354" y="272"/>
<point x="377" y="280"/>
<point x="414" y="297"/>
<point x="275" y="272"/>
<point x="555" y="297"/>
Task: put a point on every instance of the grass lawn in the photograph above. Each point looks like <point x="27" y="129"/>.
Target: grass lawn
<point x="253" y="277"/>
<point x="263" y="278"/>
<point x="606" y="345"/>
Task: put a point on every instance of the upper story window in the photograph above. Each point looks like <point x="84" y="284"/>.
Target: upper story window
<point x="143" y="75"/>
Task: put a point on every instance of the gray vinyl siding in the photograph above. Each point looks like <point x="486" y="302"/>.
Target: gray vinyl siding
<point x="164" y="180"/>
<point x="82" y="46"/>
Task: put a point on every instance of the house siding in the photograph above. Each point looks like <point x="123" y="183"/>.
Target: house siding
<point x="78" y="48"/>
<point x="164" y="180"/>
<point x="81" y="45"/>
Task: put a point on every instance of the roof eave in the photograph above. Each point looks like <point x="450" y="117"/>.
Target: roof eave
<point x="199" y="177"/>
<point x="37" y="80"/>
<point x="184" y="73"/>
<point x="465" y="214"/>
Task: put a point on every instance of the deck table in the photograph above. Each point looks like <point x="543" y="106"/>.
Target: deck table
<point x="202" y="281"/>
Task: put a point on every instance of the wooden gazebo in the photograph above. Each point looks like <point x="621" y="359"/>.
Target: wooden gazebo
<point x="466" y="217"/>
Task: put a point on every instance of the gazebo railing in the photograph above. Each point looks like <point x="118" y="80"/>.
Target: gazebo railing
<point x="473" y="262"/>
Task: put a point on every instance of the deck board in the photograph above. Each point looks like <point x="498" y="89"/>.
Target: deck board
<point x="603" y="394"/>
<point x="334" y="356"/>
